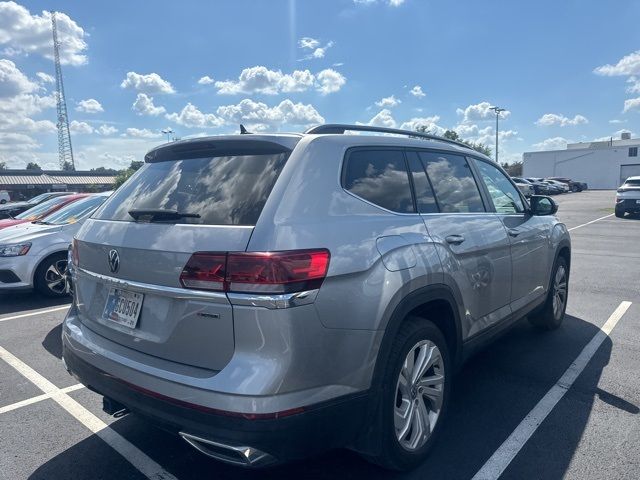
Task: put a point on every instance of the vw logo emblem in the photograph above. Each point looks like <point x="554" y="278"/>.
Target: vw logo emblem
<point x="114" y="261"/>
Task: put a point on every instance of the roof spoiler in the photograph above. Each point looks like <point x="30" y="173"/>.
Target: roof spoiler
<point x="208" y="147"/>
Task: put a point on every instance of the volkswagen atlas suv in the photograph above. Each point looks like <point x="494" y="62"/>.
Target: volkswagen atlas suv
<point x="271" y="296"/>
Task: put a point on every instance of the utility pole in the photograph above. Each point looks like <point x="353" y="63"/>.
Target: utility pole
<point x="65" y="151"/>
<point x="497" y="110"/>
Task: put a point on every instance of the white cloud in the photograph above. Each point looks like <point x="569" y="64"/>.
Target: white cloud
<point x="106" y="130"/>
<point x="430" y="124"/>
<point x="479" y="111"/>
<point x="25" y="34"/>
<point x="308" y="43"/>
<point x="393" y="3"/>
<point x="142" y="133"/>
<point x="383" y="118"/>
<point x="631" y="104"/>
<point x="549" y="119"/>
<point x="555" y="143"/>
<point x="634" y="84"/>
<point x="91" y="105"/>
<point x="150" y="84"/>
<point x="143" y="105"/>
<point x="12" y="81"/>
<point x="45" y="77"/>
<point x="260" y="116"/>
<point x="192" y="117"/>
<point x="260" y="79"/>
<point x="391" y="101"/>
<point x="206" y="80"/>
<point x="615" y="120"/>
<point x="80" y="128"/>
<point x="627" y="65"/>
<point x="329" y="81"/>
<point x="416" y="91"/>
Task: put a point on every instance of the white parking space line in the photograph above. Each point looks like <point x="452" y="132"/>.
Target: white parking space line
<point x="502" y="457"/>
<point x="592" y="221"/>
<point x="39" y="398"/>
<point x="37" y="312"/>
<point x="130" y="452"/>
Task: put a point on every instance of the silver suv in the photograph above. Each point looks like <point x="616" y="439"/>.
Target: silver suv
<point x="270" y="296"/>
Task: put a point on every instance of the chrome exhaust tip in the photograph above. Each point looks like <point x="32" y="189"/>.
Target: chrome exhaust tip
<point x="235" y="455"/>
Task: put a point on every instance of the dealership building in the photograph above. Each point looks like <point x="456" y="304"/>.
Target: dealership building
<point x="29" y="183"/>
<point x="602" y="165"/>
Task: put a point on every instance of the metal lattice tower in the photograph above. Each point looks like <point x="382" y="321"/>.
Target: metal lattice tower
<point x="65" y="151"/>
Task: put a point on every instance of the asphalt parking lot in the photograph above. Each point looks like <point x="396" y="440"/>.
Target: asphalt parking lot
<point x="524" y="408"/>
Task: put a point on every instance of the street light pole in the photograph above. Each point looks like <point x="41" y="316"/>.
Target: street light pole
<point x="168" y="132"/>
<point x="497" y="110"/>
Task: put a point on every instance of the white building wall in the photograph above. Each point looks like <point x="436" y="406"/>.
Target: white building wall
<point x="600" y="168"/>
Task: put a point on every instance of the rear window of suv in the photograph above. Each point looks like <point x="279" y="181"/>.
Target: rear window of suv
<point x="224" y="190"/>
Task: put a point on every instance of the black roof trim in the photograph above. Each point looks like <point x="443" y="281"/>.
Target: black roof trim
<point x="338" y="128"/>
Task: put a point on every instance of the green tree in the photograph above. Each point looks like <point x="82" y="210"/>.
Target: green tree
<point x="135" y="165"/>
<point x="33" y="166"/>
<point x="3" y="166"/>
<point x="68" y="167"/>
<point x="513" y="169"/>
<point x="111" y="171"/>
<point x="453" y="135"/>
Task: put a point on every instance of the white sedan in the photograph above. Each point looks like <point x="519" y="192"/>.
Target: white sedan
<point x="34" y="255"/>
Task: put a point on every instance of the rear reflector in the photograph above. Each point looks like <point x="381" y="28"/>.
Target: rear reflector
<point x="259" y="272"/>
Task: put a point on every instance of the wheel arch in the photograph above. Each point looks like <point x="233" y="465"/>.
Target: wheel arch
<point x="42" y="260"/>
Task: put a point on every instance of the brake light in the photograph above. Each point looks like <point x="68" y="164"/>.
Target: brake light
<point x="261" y="272"/>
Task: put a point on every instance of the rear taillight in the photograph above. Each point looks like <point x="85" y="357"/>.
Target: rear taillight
<point x="259" y="272"/>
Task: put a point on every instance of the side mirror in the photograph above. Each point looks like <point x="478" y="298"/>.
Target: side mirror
<point x="542" y="205"/>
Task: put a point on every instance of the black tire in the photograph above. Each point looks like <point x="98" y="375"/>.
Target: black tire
<point x="619" y="213"/>
<point x="393" y="455"/>
<point x="42" y="280"/>
<point x="548" y="318"/>
<point x="3" y="201"/>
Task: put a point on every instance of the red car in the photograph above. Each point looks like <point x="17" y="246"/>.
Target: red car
<point x="40" y="211"/>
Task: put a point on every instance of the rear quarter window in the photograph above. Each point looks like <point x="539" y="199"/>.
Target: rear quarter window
<point x="380" y="177"/>
<point x="224" y="190"/>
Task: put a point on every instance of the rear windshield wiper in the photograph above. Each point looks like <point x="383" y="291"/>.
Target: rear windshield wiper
<point x="154" y="215"/>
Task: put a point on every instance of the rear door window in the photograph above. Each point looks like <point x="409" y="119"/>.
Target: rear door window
<point x="225" y="190"/>
<point x="380" y="177"/>
<point x="455" y="188"/>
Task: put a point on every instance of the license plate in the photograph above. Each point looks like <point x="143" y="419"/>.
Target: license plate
<point x="123" y="307"/>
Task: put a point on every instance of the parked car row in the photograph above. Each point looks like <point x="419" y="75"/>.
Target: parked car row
<point x="34" y="243"/>
<point x="11" y="209"/>
<point x="547" y="186"/>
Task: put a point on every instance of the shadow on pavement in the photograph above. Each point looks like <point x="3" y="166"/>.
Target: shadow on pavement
<point x="52" y="343"/>
<point x="492" y="394"/>
<point x="18" y="302"/>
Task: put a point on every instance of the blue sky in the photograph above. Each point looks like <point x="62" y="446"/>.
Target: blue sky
<point x="564" y="70"/>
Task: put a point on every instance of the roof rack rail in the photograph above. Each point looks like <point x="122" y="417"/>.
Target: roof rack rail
<point x="339" y="128"/>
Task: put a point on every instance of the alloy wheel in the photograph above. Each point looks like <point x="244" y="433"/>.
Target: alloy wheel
<point x="419" y="395"/>
<point x="55" y="277"/>
<point x="559" y="292"/>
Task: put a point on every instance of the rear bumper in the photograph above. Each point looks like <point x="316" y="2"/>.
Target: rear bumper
<point x="293" y="435"/>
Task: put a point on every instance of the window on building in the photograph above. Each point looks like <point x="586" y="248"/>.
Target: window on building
<point x="633" y="151"/>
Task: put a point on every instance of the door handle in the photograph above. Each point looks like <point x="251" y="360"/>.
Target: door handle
<point x="454" y="239"/>
<point x="513" y="232"/>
